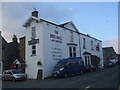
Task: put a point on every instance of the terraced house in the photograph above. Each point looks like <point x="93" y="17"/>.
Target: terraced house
<point x="47" y="43"/>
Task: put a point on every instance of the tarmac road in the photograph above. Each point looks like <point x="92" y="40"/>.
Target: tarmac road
<point x="106" y="78"/>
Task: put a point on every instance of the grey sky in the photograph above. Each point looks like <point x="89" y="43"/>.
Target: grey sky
<point x="15" y="14"/>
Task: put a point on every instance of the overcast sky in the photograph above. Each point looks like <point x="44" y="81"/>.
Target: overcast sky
<point x="98" y="19"/>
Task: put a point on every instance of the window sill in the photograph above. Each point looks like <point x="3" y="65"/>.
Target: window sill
<point x="33" y="55"/>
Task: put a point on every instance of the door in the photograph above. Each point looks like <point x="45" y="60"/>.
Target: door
<point x="87" y="60"/>
<point x="72" y="68"/>
<point x="39" y="74"/>
<point x="8" y="75"/>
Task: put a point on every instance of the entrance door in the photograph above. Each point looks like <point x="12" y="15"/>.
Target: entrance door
<point x="87" y="59"/>
<point x="39" y="74"/>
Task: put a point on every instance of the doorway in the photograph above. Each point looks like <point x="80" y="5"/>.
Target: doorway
<point x="39" y="74"/>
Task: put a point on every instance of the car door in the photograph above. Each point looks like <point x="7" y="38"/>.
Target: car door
<point x="72" y="68"/>
<point x="8" y="75"/>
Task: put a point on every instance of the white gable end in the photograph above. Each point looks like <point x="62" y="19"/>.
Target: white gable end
<point x="28" y="21"/>
<point x="71" y="26"/>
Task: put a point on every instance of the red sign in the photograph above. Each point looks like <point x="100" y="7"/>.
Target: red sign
<point x="56" y="32"/>
<point x="55" y="37"/>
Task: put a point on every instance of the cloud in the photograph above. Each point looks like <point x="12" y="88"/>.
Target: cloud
<point x="14" y="15"/>
<point x="111" y="42"/>
<point x="53" y="13"/>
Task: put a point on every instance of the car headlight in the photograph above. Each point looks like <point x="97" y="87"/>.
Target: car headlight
<point x="16" y="76"/>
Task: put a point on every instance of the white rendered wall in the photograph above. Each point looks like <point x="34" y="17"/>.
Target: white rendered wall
<point x="31" y="61"/>
<point x="0" y="53"/>
<point x="88" y="46"/>
<point x="48" y="46"/>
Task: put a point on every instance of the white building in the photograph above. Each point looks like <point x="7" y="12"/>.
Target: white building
<point x="0" y="53"/>
<point x="47" y="43"/>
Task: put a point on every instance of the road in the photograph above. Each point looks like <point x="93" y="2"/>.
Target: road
<point x="106" y="78"/>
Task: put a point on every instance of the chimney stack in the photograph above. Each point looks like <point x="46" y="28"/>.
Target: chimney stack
<point x="35" y="13"/>
<point x="14" y="39"/>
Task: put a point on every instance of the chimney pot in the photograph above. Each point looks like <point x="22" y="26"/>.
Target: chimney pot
<point x="35" y="13"/>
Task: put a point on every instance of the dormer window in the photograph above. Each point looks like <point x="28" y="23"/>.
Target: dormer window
<point x="71" y="36"/>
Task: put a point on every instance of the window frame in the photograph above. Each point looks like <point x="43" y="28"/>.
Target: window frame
<point x="98" y="47"/>
<point x="72" y="51"/>
<point x="84" y="43"/>
<point x="92" y="45"/>
<point x="33" y="32"/>
<point x="33" y="50"/>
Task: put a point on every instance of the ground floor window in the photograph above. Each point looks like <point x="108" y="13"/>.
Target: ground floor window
<point x="72" y="51"/>
<point x="87" y="59"/>
<point x="33" y="49"/>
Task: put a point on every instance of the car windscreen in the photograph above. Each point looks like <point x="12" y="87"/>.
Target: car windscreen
<point x="60" y="64"/>
<point x="16" y="71"/>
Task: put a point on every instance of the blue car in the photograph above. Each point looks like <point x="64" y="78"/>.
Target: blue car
<point x="69" y="66"/>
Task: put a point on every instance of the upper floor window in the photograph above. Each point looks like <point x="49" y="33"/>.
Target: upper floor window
<point x="84" y="43"/>
<point x="71" y="36"/>
<point x="72" y="51"/>
<point x="98" y="47"/>
<point x="33" y="34"/>
<point x="91" y="45"/>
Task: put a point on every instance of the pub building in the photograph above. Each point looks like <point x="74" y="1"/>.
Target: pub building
<point x="47" y="43"/>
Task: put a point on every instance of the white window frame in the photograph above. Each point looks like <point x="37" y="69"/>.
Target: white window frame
<point x="84" y="43"/>
<point x="33" y="32"/>
<point x="87" y="60"/>
<point x="71" y="36"/>
<point x="72" y="52"/>
<point x="92" y="45"/>
<point x="33" y="50"/>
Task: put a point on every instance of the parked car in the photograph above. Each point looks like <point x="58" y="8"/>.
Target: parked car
<point x="90" y="68"/>
<point x="68" y="67"/>
<point x="110" y="64"/>
<point x="114" y="61"/>
<point x="118" y="62"/>
<point x="13" y="75"/>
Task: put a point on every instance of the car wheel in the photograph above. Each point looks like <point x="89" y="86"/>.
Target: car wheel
<point x="65" y="75"/>
<point x="81" y="72"/>
<point x="3" y="79"/>
<point x="13" y="79"/>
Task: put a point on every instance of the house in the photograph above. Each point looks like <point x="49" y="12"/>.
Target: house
<point x="47" y="43"/>
<point x="1" y="38"/>
<point x="108" y="54"/>
<point x="9" y="52"/>
<point x="22" y="52"/>
<point x="13" y="52"/>
<point x="3" y="53"/>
